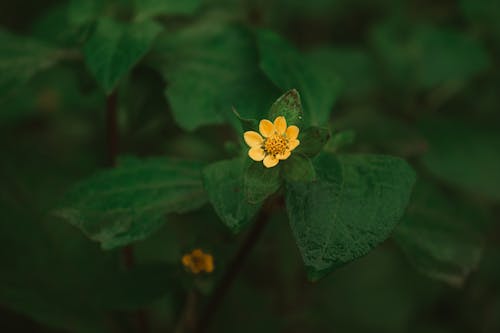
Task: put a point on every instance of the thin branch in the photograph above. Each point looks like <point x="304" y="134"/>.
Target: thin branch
<point x="112" y="128"/>
<point x="232" y="271"/>
<point x="140" y="316"/>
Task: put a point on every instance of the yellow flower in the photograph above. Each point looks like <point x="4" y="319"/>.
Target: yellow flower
<point x="274" y="143"/>
<point x="197" y="261"/>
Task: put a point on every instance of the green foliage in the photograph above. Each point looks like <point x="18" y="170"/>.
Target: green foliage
<point x="363" y="80"/>
<point x="224" y="185"/>
<point x="353" y="207"/>
<point x="442" y="238"/>
<point x="312" y="140"/>
<point x="298" y="168"/>
<point x="340" y="140"/>
<point x="247" y="124"/>
<point x="260" y="182"/>
<point x="354" y="67"/>
<point x="484" y="14"/>
<point x="81" y="12"/>
<point x="127" y="204"/>
<point x="149" y="8"/>
<point x="194" y="57"/>
<point x="288" y="106"/>
<point x="20" y="59"/>
<point x="114" y="48"/>
<point x="288" y="69"/>
<point x="428" y="56"/>
<point x="464" y="155"/>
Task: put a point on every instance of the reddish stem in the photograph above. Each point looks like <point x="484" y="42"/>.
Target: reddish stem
<point x="232" y="271"/>
<point x="141" y="318"/>
<point x="112" y="128"/>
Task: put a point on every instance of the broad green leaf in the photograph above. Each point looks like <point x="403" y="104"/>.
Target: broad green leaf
<point x="210" y="68"/>
<point x="151" y="8"/>
<point x="126" y="204"/>
<point x="298" y="168"/>
<point x="440" y="236"/>
<point x="376" y="131"/>
<point x="114" y="48"/>
<point x="465" y="155"/>
<point x="20" y="59"/>
<point x="428" y="55"/>
<point x="57" y="277"/>
<point x="354" y="206"/>
<point x="288" y="69"/>
<point x="224" y="185"/>
<point x="340" y="140"/>
<point x="312" y="140"/>
<point x="289" y="106"/>
<point x="260" y="182"/>
<point x="246" y="124"/>
<point x="54" y="26"/>
<point x="354" y="67"/>
<point x="80" y="12"/>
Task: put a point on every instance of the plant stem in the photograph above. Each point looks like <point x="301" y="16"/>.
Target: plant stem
<point x="141" y="318"/>
<point x="112" y="128"/>
<point x="232" y="271"/>
<point x="128" y="256"/>
<point x="187" y="320"/>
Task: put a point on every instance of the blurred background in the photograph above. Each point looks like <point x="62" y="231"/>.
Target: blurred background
<point x="416" y="79"/>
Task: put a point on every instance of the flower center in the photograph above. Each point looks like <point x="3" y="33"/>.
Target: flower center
<point x="276" y="145"/>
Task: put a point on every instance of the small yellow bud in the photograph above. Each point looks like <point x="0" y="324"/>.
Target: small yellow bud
<point x="197" y="261"/>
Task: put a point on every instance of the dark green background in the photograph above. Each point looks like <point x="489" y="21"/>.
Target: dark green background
<point x="414" y="79"/>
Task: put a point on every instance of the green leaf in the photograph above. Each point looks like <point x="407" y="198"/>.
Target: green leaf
<point x="354" y="67"/>
<point x="288" y="69"/>
<point x="289" y="106"/>
<point x="82" y="12"/>
<point x="464" y="154"/>
<point x="353" y="207"/>
<point x="114" y="48"/>
<point x="260" y="182"/>
<point x="298" y="168"/>
<point x="151" y="8"/>
<point x="340" y="140"/>
<point x="20" y="59"/>
<point x="440" y="236"/>
<point x="246" y="124"/>
<point x="428" y="55"/>
<point x="312" y="141"/>
<point x="191" y="58"/>
<point x="60" y="279"/>
<point x="224" y="185"/>
<point x="119" y="206"/>
<point x="379" y="132"/>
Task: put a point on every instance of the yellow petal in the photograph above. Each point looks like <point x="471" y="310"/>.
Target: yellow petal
<point x="253" y="139"/>
<point x="280" y="124"/>
<point x="284" y="156"/>
<point x="186" y="260"/>
<point x="256" y="154"/>
<point x="266" y="128"/>
<point x="209" y="265"/>
<point x="270" y="161"/>
<point x="292" y="132"/>
<point x="293" y="144"/>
